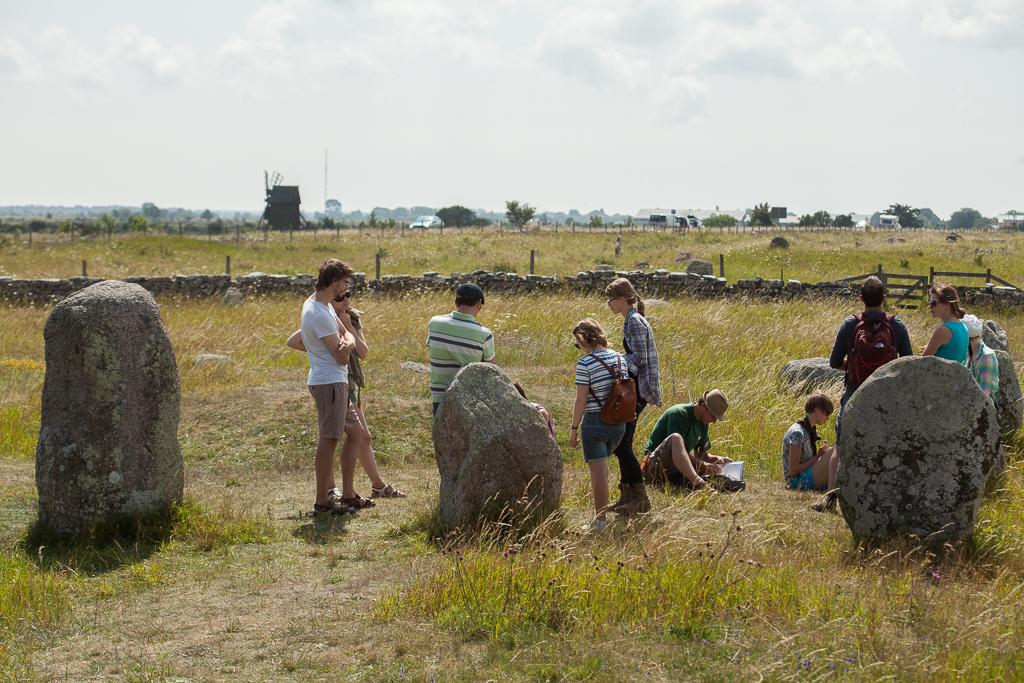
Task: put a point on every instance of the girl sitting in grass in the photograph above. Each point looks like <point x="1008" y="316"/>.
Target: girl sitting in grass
<point x="805" y="463"/>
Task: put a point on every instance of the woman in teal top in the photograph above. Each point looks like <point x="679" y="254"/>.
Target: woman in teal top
<point x="950" y="339"/>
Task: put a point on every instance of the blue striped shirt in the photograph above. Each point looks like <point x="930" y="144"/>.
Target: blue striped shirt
<point x="590" y="373"/>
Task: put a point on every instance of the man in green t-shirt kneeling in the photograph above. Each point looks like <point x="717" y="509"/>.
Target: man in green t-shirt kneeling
<point x="679" y="449"/>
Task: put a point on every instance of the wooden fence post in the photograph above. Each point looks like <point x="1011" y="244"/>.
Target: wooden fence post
<point x="881" y="274"/>
<point x="721" y="265"/>
<point x="931" y="275"/>
<point x="378" y="267"/>
<point x="227" y="265"/>
<point x="988" y="276"/>
<point x="532" y="252"/>
<point x="84" y="270"/>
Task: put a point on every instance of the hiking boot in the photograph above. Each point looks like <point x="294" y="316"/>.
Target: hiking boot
<point x="625" y="500"/>
<point x="827" y="502"/>
<point x="641" y="503"/>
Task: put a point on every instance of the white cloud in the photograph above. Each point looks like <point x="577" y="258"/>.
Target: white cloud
<point x="674" y="50"/>
<point x="14" y="58"/>
<point x="158" y="64"/>
<point x="58" y="55"/>
<point x="994" y="23"/>
<point x="62" y="57"/>
<point x="682" y="99"/>
<point x="782" y="44"/>
<point x="279" y="41"/>
<point x="858" y="50"/>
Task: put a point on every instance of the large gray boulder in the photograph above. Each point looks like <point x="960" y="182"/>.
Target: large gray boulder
<point x="700" y="267"/>
<point x="994" y="336"/>
<point x="1010" y="401"/>
<point x="494" y="452"/>
<point x="805" y="375"/>
<point x="918" y="442"/>
<point x="108" y="443"/>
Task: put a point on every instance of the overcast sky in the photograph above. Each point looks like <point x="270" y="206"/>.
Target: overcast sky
<point x="845" y="105"/>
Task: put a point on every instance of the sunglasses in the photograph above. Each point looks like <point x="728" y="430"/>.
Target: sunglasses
<point x="342" y="297"/>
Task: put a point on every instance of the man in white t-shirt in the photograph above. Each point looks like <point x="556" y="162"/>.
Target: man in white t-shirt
<point x="328" y="352"/>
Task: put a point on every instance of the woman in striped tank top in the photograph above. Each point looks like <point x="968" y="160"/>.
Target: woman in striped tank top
<point x="596" y="371"/>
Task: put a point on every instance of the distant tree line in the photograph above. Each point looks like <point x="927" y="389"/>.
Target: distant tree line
<point x="151" y="219"/>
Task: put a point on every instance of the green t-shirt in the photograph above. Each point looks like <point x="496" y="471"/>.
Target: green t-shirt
<point x="679" y="419"/>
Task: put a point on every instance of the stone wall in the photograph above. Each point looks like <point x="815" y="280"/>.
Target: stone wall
<point x="658" y="283"/>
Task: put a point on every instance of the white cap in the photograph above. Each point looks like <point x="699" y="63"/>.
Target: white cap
<point x="974" y="324"/>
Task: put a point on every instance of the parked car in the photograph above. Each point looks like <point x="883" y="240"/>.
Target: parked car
<point x="427" y="222"/>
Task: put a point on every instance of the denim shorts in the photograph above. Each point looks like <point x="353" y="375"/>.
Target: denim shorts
<point x="805" y="481"/>
<point x="599" y="439"/>
<point x="839" y="415"/>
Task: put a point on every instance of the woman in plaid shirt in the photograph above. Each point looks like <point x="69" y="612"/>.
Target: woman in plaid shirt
<point x="642" y="358"/>
<point x="981" y="360"/>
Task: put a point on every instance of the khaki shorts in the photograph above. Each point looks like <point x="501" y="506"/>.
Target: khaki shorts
<point x="334" y="411"/>
<point x="658" y="467"/>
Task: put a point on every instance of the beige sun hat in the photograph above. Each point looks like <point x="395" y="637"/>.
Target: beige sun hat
<point x="717" y="403"/>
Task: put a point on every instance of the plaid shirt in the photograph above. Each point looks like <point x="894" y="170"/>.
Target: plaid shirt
<point x="985" y="367"/>
<point x="642" y="356"/>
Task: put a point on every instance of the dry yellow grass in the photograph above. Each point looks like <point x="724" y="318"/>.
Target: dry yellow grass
<point x="376" y="600"/>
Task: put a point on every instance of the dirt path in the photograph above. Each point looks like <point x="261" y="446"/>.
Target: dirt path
<point x="297" y="608"/>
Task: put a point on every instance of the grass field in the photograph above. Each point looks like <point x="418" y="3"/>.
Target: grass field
<point x="246" y="587"/>
<point x="813" y="256"/>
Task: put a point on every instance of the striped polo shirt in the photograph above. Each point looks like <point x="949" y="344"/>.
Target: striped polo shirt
<point x="455" y="340"/>
<point x="590" y="373"/>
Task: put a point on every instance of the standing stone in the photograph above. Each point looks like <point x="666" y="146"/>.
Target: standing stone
<point x="108" y="442"/>
<point x="700" y="267"/>
<point x="494" y="452"/>
<point x="918" y="442"/>
<point x="807" y="374"/>
<point x="1010" y="401"/>
<point x="994" y="336"/>
<point x="781" y="243"/>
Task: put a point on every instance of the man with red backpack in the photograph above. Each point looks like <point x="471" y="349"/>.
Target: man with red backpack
<point x="865" y="342"/>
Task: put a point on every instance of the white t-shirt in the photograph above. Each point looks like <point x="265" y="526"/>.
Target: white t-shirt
<point x="319" y="321"/>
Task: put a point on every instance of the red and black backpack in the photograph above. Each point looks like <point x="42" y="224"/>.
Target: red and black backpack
<point x="874" y="345"/>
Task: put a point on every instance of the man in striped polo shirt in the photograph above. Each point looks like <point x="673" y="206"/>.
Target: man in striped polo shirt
<point x="457" y="339"/>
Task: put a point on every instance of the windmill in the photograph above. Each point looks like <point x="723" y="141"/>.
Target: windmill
<point x="282" y="209"/>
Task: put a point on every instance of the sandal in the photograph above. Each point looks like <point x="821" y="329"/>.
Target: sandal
<point x="386" y="491"/>
<point x="333" y="508"/>
<point x="357" y="502"/>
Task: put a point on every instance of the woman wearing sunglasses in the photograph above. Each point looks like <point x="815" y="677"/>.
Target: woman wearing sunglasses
<point x="950" y="339"/>
<point x="351" y="319"/>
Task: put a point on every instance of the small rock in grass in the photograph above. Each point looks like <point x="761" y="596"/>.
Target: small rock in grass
<point x="233" y="297"/>
<point x="415" y="367"/>
<point x="700" y="267"/>
<point x="201" y="359"/>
